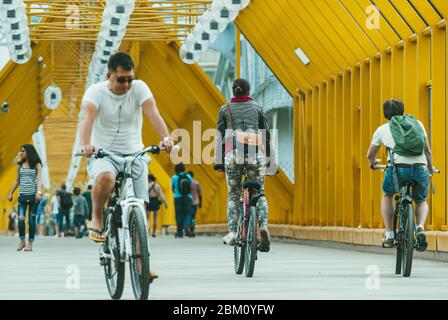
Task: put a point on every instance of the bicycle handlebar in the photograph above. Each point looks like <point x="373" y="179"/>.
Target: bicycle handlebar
<point x="154" y="149"/>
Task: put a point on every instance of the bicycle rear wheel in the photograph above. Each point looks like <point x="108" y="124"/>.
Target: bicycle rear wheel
<point x="251" y="243"/>
<point x="239" y="249"/>
<point x="110" y="258"/>
<point x="139" y="260"/>
<point x="408" y="240"/>
<point x="398" y="238"/>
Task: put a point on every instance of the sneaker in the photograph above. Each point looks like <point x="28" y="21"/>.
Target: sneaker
<point x="265" y="242"/>
<point x="229" y="239"/>
<point x="388" y="243"/>
<point x="422" y="244"/>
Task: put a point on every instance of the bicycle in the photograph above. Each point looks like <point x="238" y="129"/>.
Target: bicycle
<point x="247" y="241"/>
<point x="126" y="226"/>
<point x="403" y="227"/>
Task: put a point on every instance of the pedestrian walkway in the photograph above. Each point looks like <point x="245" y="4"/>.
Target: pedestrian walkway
<point x="202" y="268"/>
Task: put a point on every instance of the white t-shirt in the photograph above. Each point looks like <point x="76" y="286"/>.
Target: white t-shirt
<point x="54" y="204"/>
<point x="383" y="135"/>
<point x="118" y="123"/>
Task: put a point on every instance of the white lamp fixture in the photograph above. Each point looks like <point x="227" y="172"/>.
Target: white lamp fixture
<point x="222" y="13"/>
<point x="53" y="97"/>
<point x="15" y="25"/>
<point x="212" y="22"/>
<point x="302" y="56"/>
<point x="194" y="45"/>
<point x="188" y="56"/>
<point x="236" y="4"/>
<point x="203" y="37"/>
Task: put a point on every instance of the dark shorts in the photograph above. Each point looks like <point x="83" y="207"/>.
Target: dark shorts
<point x="418" y="176"/>
<point x="154" y="204"/>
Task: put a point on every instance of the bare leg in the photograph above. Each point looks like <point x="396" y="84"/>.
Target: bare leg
<point x="387" y="209"/>
<point x="421" y="212"/>
<point x="102" y="188"/>
<point x="154" y="221"/>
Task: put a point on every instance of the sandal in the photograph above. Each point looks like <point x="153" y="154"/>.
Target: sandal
<point x="29" y="247"/>
<point x="21" y="246"/>
<point x="96" y="239"/>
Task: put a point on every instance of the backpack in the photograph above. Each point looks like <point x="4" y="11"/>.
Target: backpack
<point x="408" y="136"/>
<point x="66" y="200"/>
<point x="184" y="184"/>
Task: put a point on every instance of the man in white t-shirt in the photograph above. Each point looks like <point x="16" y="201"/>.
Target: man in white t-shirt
<point x="414" y="169"/>
<point x="112" y="120"/>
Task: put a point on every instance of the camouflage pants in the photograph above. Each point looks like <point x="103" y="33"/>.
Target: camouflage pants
<point x="255" y="168"/>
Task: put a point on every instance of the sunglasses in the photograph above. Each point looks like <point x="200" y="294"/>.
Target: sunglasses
<point x="124" y="79"/>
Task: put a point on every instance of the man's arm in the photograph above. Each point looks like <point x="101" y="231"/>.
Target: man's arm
<point x="152" y="113"/>
<point x="428" y="154"/>
<point x="85" y="133"/>
<point x="371" y="155"/>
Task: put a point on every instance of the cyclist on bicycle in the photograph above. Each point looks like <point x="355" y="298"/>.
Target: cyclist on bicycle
<point x="246" y="115"/>
<point x="413" y="169"/>
<point x="112" y="120"/>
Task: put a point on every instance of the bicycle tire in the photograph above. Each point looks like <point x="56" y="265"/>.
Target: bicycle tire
<point x="137" y="231"/>
<point x="114" y="271"/>
<point x="239" y="249"/>
<point x="397" y="230"/>
<point x="408" y="240"/>
<point x="251" y="243"/>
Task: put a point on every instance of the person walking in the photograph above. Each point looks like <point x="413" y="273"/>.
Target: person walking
<point x="29" y="172"/>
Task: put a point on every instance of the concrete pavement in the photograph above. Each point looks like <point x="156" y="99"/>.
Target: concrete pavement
<point x="202" y="268"/>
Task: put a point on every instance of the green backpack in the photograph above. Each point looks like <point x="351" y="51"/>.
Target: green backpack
<point x="408" y="136"/>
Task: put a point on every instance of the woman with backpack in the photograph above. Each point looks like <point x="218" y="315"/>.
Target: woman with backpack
<point x="156" y="197"/>
<point x="29" y="172"/>
<point x="183" y="200"/>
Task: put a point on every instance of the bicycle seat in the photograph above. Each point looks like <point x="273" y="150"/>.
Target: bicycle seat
<point x="252" y="185"/>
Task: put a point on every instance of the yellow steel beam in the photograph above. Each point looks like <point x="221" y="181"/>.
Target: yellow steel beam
<point x="394" y="18"/>
<point x="441" y="6"/>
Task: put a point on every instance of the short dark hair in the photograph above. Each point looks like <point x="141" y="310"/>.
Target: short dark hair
<point x="393" y="107"/>
<point x="190" y="173"/>
<point x="151" y="177"/>
<point x="89" y="187"/>
<point x="179" y="168"/>
<point x="63" y="186"/>
<point x="120" y="59"/>
<point x="241" y="87"/>
<point x="77" y="191"/>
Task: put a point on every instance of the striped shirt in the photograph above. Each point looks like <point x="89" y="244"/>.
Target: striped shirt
<point x="28" y="181"/>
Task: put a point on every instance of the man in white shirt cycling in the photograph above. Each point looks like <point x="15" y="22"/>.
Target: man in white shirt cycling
<point x="112" y="120"/>
<point x="415" y="169"/>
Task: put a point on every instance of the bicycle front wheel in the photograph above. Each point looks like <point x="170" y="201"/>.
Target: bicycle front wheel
<point x="139" y="260"/>
<point x="408" y="240"/>
<point x="251" y="243"/>
<point x="239" y="249"/>
<point x="110" y="258"/>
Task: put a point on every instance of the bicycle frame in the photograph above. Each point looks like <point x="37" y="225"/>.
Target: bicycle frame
<point x="402" y="199"/>
<point x="128" y="201"/>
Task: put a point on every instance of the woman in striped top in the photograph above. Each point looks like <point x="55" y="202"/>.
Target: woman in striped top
<point x="29" y="170"/>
